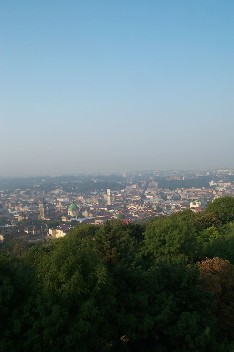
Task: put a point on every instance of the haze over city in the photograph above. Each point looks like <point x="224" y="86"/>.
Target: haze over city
<point x="105" y="86"/>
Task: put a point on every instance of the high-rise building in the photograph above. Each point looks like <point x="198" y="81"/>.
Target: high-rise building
<point x="108" y="193"/>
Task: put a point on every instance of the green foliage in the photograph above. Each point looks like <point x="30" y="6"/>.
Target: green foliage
<point x="15" y="285"/>
<point x="217" y="276"/>
<point x="223" y="245"/>
<point x="171" y="236"/>
<point x="16" y="247"/>
<point x="84" y="231"/>
<point x="206" y="239"/>
<point x="75" y="291"/>
<point x="206" y="219"/>
<point x="123" y="287"/>
<point x="116" y="243"/>
<point x="222" y="209"/>
<point x="164" y="309"/>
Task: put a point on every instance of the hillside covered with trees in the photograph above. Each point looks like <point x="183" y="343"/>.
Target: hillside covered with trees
<point x="163" y="286"/>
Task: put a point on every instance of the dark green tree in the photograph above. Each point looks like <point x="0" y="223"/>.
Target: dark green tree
<point x="15" y="286"/>
<point x="72" y="302"/>
<point x="222" y="209"/>
<point x="217" y="277"/>
<point x="175" y="235"/>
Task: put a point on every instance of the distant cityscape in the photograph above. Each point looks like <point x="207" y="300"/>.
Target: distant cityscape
<point x="43" y="208"/>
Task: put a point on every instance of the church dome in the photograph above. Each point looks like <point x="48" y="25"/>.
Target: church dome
<point x="72" y="207"/>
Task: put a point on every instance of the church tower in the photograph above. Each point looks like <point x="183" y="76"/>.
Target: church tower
<point x="108" y="193"/>
<point x="42" y="210"/>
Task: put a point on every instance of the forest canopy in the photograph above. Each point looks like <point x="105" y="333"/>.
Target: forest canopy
<point x="165" y="285"/>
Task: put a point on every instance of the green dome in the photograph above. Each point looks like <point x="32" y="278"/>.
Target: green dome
<point x="72" y="207"/>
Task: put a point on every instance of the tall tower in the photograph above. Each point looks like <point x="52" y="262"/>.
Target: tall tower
<point x="42" y="210"/>
<point x="108" y="193"/>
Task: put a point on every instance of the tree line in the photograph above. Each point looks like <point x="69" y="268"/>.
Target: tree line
<point x="166" y="285"/>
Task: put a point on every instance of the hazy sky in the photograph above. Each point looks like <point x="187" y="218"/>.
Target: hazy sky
<point x="111" y="85"/>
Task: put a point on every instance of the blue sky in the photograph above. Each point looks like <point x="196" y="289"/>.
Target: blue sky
<point x="104" y="86"/>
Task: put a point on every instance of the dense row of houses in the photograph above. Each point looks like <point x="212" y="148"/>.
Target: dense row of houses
<point x="33" y="212"/>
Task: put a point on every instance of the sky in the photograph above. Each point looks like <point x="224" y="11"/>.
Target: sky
<point x="115" y="85"/>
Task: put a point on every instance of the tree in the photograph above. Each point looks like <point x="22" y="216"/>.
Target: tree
<point x="72" y="301"/>
<point x="15" y="247"/>
<point x="117" y="242"/>
<point x="83" y="231"/>
<point x="222" y="209"/>
<point x="217" y="277"/>
<point x="206" y="239"/>
<point x="222" y="246"/>
<point x="172" y="236"/>
<point x="15" y="287"/>
<point x="164" y="309"/>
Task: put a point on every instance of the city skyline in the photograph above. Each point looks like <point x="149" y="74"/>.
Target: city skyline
<point x="90" y="87"/>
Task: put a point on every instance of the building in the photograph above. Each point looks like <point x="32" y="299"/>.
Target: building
<point x="195" y="206"/>
<point x="108" y="193"/>
<point x="73" y="210"/>
<point x="57" y="233"/>
<point x="42" y="210"/>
